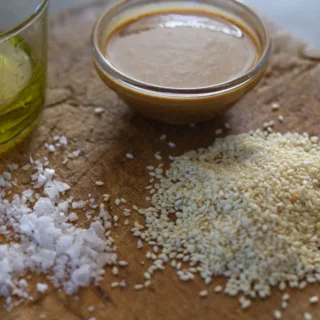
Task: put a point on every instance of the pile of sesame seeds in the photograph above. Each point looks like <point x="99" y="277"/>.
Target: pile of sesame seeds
<point x="247" y="208"/>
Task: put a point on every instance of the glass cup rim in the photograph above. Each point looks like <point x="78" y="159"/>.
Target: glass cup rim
<point x="41" y="7"/>
<point x="126" y="80"/>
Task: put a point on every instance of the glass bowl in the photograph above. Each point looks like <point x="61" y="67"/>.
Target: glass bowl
<point x="179" y="105"/>
<point x="23" y="66"/>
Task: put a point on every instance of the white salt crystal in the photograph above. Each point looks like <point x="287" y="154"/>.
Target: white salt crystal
<point x="48" y="173"/>
<point x="27" y="193"/>
<point x="63" y="206"/>
<point x="51" y="191"/>
<point x="73" y="217"/>
<point x="63" y="141"/>
<point x="81" y="276"/>
<point x="2" y="182"/>
<point x="44" y="206"/>
<point x="7" y="176"/>
<point x="13" y="166"/>
<point x="42" y="287"/>
<point x="62" y="187"/>
<point x="51" y="148"/>
<point x="64" y="243"/>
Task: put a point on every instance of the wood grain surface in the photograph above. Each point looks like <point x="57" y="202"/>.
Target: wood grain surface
<point x="74" y="90"/>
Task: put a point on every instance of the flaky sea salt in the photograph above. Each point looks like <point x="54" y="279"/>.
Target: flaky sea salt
<point x="46" y="240"/>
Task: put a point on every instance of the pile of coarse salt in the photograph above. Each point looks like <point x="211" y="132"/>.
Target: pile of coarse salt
<point x="39" y="236"/>
<point x="247" y="208"/>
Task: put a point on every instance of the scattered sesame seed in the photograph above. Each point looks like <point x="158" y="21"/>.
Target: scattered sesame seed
<point x="286" y="297"/>
<point x="275" y="106"/>
<point x="282" y="286"/>
<point x="123" y="263"/>
<point x="245" y="304"/>
<point x="101" y="272"/>
<point x="307" y="316"/>
<point x="302" y="285"/>
<point x="203" y="293"/>
<point x="139" y="286"/>
<point x="129" y="156"/>
<point x="91" y="308"/>
<point x="115" y="271"/>
<point x="158" y="156"/>
<point x="218" y="289"/>
<point x="117" y="202"/>
<point x="284" y="305"/>
<point x="314" y="299"/>
<point x="147" y="284"/>
<point x="163" y="137"/>
<point x="218" y="131"/>
<point x="114" y="284"/>
<point x="171" y="145"/>
<point x="277" y="314"/>
<point x="147" y="276"/>
<point x="281" y="118"/>
<point x="99" y="183"/>
<point x="99" y="110"/>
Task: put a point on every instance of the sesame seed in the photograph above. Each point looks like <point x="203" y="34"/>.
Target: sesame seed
<point x="114" y="284"/>
<point x="314" y="299"/>
<point x="147" y="276"/>
<point x="139" y="286"/>
<point x="91" y="308"/>
<point x="275" y="106"/>
<point x="147" y="284"/>
<point x="286" y="297"/>
<point x="245" y="304"/>
<point x="203" y="293"/>
<point x="129" y="156"/>
<point x="98" y="110"/>
<point x="281" y="118"/>
<point x="277" y="314"/>
<point x="115" y="271"/>
<point x="163" y="137"/>
<point x="99" y="183"/>
<point x="307" y="316"/>
<point x="101" y="272"/>
<point x="123" y="263"/>
<point x="218" y="289"/>
<point x="218" y="131"/>
<point x="171" y="144"/>
<point x="284" y="305"/>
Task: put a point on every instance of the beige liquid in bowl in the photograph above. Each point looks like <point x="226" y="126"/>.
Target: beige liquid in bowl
<point x="181" y="49"/>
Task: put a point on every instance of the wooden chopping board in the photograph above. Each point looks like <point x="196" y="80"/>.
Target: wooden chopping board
<point x="74" y="90"/>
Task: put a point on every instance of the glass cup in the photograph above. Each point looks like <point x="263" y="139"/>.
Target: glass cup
<point x="23" y="64"/>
